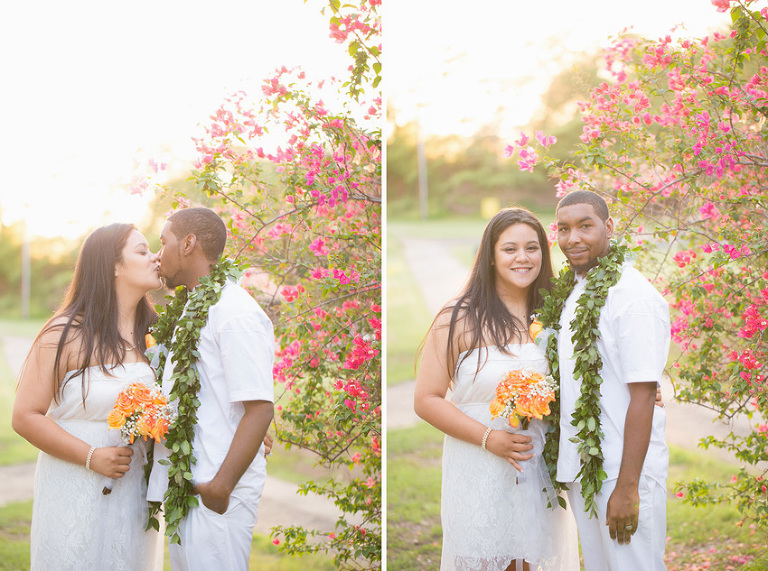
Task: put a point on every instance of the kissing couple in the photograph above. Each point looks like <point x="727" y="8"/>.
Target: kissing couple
<point x="216" y="369"/>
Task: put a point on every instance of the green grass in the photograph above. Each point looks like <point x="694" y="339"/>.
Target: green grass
<point x="414" y="534"/>
<point x="21" y="327"/>
<point x="697" y="536"/>
<point x="407" y="316"/>
<point x="16" y="518"/>
<point x="13" y="448"/>
<point x="706" y="534"/>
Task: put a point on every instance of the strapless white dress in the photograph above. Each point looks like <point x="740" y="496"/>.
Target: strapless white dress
<point x="75" y="526"/>
<point x="491" y="513"/>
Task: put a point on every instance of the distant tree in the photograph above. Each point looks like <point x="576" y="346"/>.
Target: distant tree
<point x="52" y="263"/>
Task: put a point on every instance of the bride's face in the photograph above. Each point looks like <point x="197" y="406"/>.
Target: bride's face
<point x="139" y="268"/>
<point x="517" y="257"/>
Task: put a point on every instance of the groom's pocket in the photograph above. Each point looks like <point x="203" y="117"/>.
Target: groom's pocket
<point x="208" y="512"/>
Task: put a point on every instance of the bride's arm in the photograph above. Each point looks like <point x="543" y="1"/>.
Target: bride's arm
<point x="33" y="397"/>
<point x="432" y="381"/>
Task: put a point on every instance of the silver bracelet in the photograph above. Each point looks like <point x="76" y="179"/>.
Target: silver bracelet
<point x="88" y="459"/>
<point x="485" y="438"/>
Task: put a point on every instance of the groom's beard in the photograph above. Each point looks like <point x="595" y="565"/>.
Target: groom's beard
<point x="582" y="269"/>
<point x="172" y="281"/>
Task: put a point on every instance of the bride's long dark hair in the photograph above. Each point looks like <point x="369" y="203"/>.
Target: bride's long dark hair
<point x="487" y="319"/>
<point x="89" y="312"/>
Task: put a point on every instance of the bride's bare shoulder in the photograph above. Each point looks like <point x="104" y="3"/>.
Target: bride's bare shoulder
<point x="451" y="312"/>
<point x="455" y="318"/>
<point x="57" y="328"/>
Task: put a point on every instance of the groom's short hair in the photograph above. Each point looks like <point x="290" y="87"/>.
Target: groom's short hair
<point x="586" y="197"/>
<point x="206" y="225"/>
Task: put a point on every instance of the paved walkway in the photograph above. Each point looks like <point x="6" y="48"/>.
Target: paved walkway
<point x="440" y="277"/>
<point x="280" y="504"/>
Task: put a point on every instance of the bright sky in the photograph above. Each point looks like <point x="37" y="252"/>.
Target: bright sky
<point x="453" y="64"/>
<point x="91" y="86"/>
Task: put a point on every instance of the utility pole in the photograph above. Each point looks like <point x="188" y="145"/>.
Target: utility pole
<point x="422" y="167"/>
<point x="25" y="267"/>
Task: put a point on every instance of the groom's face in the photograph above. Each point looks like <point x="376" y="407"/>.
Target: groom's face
<point x="170" y="258"/>
<point x="582" y="235"/>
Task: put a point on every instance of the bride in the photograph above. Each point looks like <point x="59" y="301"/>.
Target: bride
<point x="82" y="358"/>
<point x="496" y="489"/>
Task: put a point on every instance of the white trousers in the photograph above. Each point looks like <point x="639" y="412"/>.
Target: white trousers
<point x="214" y="541"/>
<point x="645" y="552"/>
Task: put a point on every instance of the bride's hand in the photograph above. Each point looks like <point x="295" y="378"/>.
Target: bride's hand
<point x="112" y="461"/>
<point x="512" y="447"/>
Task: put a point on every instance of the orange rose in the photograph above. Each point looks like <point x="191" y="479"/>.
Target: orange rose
<point x="115" y="418"/>
<point x="538" y="407"/>
<point x="515" y="380"/>
<point x="535" y="377"/>
<point x="125" y="404"/>
<point x="514" y="420"/>
<point x="535" y="328"/>
<point x="149" y="341"/>
<point x="523" y="405"/>
<point x="497" y="407"/>
<point x="140" y="393"/>
<point x="144" y="426"/>
<point x="159" y="429"/>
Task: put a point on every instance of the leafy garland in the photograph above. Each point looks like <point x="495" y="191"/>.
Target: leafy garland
<point x="586" y="417"/>
<point x="185" y="316"/>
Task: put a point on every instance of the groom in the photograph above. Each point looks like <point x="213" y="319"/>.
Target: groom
<point x="629" y="531"/>
<point x="236" y="350"/>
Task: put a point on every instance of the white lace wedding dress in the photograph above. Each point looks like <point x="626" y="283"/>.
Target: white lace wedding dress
<point x="492" y="514"/>
<point x="75" y="526"/>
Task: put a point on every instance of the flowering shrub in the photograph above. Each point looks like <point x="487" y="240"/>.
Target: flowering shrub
<point x="676" y="140"/>
<point x="304" y="208"/>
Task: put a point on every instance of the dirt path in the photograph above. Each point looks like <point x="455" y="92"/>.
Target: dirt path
<point x="440" y="277"/>
<point x="280" y="504"/>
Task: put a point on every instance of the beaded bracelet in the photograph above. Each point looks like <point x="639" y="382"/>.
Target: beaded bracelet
<point x="88" y="459"/>
<point x="485" y="438"/>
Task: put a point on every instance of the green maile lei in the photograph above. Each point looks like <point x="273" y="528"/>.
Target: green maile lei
<point x="178" y="330"/>
<point x="588" y="364"/>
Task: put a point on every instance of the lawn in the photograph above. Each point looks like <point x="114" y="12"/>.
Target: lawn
<point x="698" y="538"/>
<point x="13" y="448"/>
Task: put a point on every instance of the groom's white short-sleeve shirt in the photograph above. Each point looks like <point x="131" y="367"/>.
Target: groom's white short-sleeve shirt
<point x="634" y="343"/>
<point x="237" y="348"/>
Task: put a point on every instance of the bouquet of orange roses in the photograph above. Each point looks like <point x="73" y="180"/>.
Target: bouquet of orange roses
<point x="522" y="395"/>
<point x="140" y="411"/>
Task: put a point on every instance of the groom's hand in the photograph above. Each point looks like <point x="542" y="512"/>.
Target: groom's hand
<point x="513" y="448"/>
<point x="213" y="498"/>
<point x="622" y="513"/>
